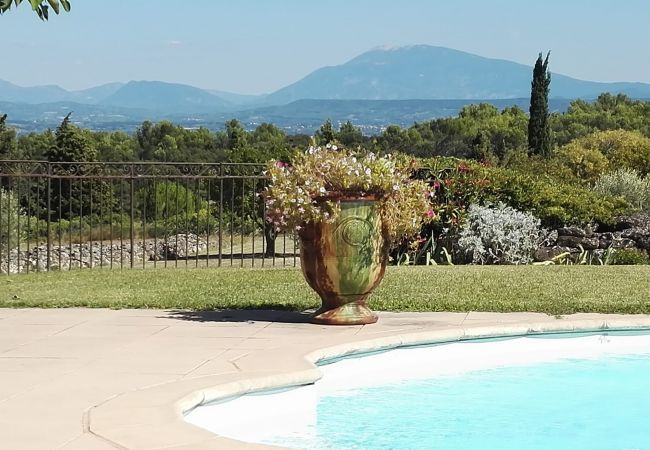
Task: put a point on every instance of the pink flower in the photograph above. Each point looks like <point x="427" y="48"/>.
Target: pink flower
<point x="430" y="214"/>
<point x="436" y="184"/>
<point x="280" y="164"/>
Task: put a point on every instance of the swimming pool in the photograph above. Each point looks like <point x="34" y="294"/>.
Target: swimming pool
<point x="561" y="391"/>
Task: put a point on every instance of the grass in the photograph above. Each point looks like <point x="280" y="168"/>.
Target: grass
<point x="553" y="290"/>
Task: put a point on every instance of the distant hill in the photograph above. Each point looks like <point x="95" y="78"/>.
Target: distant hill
<point x="427" y="72"/>
<point x="10" y="92"/>
<point x="166" y="97"/>
<point x="238" y="99"/>
<point x="95" y="94"/>
<point x="375" y="89"/>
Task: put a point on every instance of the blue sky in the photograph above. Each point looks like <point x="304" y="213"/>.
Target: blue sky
<point x="256" y="46"/>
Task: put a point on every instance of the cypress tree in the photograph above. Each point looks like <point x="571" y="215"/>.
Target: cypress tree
<point x="539" y="128"/>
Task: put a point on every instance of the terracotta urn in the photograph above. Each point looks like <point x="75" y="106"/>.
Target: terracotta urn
<point x="344" y="261"/>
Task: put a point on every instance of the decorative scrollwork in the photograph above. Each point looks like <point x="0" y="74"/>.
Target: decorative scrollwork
<point x="355" y="231"/>
<point x="125" y="170"/>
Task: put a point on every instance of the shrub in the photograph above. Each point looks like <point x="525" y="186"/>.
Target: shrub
<point x="585" y="163"/>
<point x="12" y="221"/>
<point x="168" y="199"/>
<point x="500" y="235"/>
<point x="629" y="256"/>
<point x="626" y="183"/>
<point x="555" y="203"/>
<point x="623" y="149"/>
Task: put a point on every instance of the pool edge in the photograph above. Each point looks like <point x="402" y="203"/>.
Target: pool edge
<point x="172" y="400"/>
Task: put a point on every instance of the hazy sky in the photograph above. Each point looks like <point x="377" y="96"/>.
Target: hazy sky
<point x="256" y="46"/>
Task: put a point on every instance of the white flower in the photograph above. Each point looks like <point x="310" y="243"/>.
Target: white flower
<point x="328" y="145"/>
<point x="396" y="187"/>
<point x="368" y="171"/>
<point x="334" y="147"/>
<point x="322" y="190"/>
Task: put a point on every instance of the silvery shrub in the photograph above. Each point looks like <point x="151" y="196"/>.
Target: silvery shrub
<point x="626" y="183"/>
<point x="500" y="235"/>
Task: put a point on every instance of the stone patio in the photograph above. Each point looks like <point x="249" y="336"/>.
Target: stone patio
<point x="96" y="379"/>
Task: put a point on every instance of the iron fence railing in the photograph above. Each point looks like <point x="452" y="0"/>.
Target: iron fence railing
<point x="62" y="216"/>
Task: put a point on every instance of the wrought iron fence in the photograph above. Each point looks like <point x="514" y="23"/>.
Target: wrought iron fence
<point x="64" y="216"/>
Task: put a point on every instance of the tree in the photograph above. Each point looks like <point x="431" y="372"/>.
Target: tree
<point x="72" y="197"/>
<point x="7" y="140"/>
<point x="325" y="134"/>
<point x="71" y="144"/>
<point x="539" y="128"/>
<point x="40" y="7"/>
<point x="349" y="135"/>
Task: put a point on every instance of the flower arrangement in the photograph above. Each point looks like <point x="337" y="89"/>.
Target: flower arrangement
<point x="306" y="191"/>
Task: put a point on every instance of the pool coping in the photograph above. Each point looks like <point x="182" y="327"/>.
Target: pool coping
<point x="153" y="418"/>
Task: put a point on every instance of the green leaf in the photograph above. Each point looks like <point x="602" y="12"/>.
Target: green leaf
<point x="66" y="5"/>
<point x="55" y="5"/>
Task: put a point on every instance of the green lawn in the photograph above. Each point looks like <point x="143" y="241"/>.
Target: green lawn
<point x="550" y="289"/>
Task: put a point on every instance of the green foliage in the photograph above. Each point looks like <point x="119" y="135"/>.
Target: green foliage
<point x="71" y="144"/>
<point x="71" y="197"/>
<point x="457" y="183"/>
<point x="35" y="146"/>
<point x="479" y="131"/>
<point x="539" y="167"/>
<point x="555" y="203"/>
<point x="608" y="112"/>
<point x="325" y="134"/>
<point x="115" y="146"/>
<point x="237" y="136"/>
<point x="349" y="135"/>
<point x="585" y="163"/>
<point x="8" y="149"/>
<point x="12" y="221"/>
<point x="593" y="154"/>
<point x="168" y="199"/>
<point x="539" y="129"/>
<point x="40" y="7"/>
<point x="629" y="257"/>
<point x="167" y="142"/>
<point x="628" y="184"/>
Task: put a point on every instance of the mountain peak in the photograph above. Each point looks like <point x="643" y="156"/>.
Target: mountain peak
<point x="431" y="72"/>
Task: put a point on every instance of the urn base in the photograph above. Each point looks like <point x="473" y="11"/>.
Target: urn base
<point x="347" y="314"/>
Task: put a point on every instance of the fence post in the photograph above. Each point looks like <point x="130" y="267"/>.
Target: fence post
<point x="49" y="215"/>
<point x="132" y="226"/>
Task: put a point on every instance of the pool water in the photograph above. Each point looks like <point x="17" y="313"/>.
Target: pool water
<point x="582" y="393"/>
<point x="575" y="404"/>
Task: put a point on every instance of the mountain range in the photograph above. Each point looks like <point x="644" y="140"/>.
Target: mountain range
<point x="418" y="72"/>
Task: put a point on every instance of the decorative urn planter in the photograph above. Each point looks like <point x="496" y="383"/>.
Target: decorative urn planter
<point x="343" y="261"/>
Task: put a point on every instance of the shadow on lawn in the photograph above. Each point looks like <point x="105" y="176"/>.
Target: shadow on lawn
<point x="241" y="315"/>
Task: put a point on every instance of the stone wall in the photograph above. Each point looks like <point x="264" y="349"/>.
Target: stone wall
<point x="629" y="232"/>
<point x="99" y="254"/>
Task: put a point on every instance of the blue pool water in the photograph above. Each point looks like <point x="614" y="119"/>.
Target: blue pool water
<point x="574" y="404"/>
<point x="581" y="392"/>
